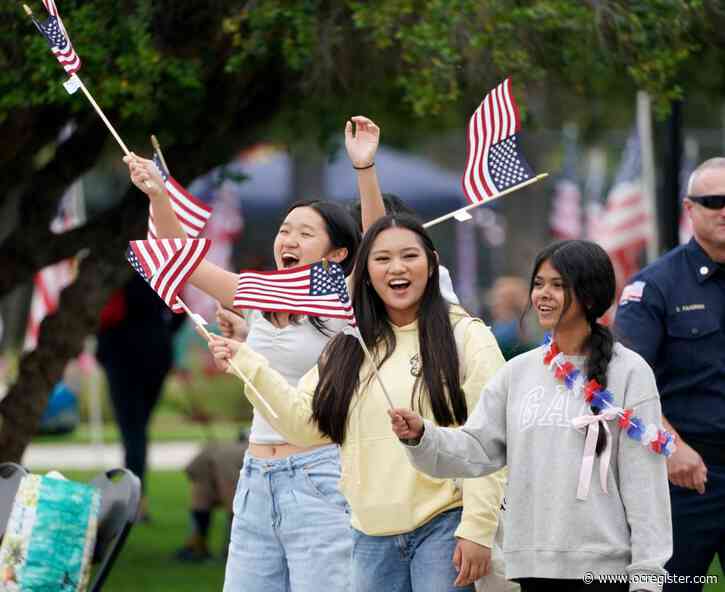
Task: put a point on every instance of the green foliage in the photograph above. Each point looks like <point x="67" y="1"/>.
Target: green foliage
<point x="151" y="60"/>
<point x="122" y="65"/>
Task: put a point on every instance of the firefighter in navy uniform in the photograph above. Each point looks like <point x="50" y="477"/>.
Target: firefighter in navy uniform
<point x="673" y="314"/>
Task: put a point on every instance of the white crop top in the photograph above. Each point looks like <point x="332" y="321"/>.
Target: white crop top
<point x="291" y="351"/>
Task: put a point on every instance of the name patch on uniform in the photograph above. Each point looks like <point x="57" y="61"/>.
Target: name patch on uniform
<point x="632" y="292"/>
<point x="689" y="307"/>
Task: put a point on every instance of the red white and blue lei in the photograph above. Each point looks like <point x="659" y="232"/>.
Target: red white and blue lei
<point x="655" y="439"/>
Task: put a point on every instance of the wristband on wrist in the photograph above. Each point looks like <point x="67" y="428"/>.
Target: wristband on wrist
<point x="362" y="168"/>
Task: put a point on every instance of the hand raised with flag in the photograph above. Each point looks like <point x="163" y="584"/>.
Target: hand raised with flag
<point x="145" y="176"/>
<point x="363" y="144"/>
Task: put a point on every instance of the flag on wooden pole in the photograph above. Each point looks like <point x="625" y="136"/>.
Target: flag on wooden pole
<point x="57" y="37"/>
<point x="495" y="165"/>
<point x="307" y="290"/>
<point x="167" y="264"/>
<point x="193" y="213"/>
<point x="55" y="33"/>
<point x="495" y="160"/>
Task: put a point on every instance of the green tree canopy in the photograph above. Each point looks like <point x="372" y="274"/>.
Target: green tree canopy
<point x="207" y="77"/>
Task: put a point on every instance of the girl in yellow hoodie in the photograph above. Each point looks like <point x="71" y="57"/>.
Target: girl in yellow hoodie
<point x="410" y="532"/>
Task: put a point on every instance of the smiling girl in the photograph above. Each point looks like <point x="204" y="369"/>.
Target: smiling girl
<point x="410" y="532"/>
<point x="560" y="530"/>
<point x="290" y="529"/>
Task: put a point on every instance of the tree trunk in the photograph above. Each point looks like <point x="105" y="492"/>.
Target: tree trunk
<point x="62" y="334"/>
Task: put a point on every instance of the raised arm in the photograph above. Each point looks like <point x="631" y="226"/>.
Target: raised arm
<point x="208" y="277"/>
<point x="361" y="148"/>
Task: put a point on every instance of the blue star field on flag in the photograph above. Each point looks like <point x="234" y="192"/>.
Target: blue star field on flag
<point x="52" y="32"/>
<point x="507" y="164"/>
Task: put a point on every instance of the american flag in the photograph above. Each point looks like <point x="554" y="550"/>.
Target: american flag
<point x="166" y="264"/>
<point x="495" y="161"/>
<point x="309" y="290"/>
<point x="689" y="163"/>
<point x="192" y="212"/>
<point x="50" y="281"/>
<point x="566" y="214"/>
<point x="57" y="37"/>
<point x="624" y="228"/>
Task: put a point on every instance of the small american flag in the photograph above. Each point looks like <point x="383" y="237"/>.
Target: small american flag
<point x="309" y="290"/>
<point x="566" y="213"/>
<point x="57" y="37"/>
<point x="192" y="212"/>
<point x="495" y="161"/>
<point x="624" y="226"/>
<point x="166" y="264"/>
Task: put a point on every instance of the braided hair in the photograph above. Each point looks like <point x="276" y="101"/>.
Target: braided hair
<point x="589" y="277"/>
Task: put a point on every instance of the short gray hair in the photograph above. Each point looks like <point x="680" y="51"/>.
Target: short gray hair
<point x="712" y="163"/>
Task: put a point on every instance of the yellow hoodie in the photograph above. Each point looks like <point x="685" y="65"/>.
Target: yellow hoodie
<point x="386" y="494"/>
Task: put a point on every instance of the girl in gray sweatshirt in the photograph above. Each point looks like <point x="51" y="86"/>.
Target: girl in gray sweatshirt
<point x="576" y="421"/>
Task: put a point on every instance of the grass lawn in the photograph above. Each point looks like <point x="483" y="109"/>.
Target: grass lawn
<point x="145" y="562"/>
<point x="165" y="427"/>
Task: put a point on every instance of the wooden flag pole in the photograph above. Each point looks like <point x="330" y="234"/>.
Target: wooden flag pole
<point x="354" y="331"/>
<point x="157" y="148"/>
<point x="102" y="115"/>
<point x="91" y="100"/>
<point x="110" y="127"/>
<point x="232" y="365"/>
<point x="464" y="211"/>
<point x="374" y="367"/>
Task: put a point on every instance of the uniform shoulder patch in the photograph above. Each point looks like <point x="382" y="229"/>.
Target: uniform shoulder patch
<point x="632" y="292"/>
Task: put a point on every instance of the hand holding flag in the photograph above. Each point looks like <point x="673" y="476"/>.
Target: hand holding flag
<point x="192" y="212"/>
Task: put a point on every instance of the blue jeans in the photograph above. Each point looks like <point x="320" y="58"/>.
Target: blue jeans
<point x="291" y="528"/>
<point x="417" y="561"/>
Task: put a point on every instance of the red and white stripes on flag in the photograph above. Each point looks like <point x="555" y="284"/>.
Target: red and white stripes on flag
<point x="167" y="264"/>
<point x="308" y="290"/>
<point x="495" y="161"/>
<point x="192" y="212"/>
<point x="624" y="227"/>
<point x="566" y="216"/>
<point x="48" y="283"/>
<point x="66" y="55"/>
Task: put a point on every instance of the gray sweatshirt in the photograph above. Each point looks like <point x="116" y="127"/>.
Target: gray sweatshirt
<point x="523" y="420"/>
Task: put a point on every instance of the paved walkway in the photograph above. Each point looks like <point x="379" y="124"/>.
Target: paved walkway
<point x="162" y="456"/>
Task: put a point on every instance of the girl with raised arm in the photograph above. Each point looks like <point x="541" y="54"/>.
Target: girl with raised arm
<point x="290" y="530"/>
<point x="579" y="405"/>
<point x="410" y="532"/>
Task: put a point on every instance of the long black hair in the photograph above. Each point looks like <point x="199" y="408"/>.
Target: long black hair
<point x="340" y="364"/>
<point x="587" y="273"/>
<point x="342" y="232"/>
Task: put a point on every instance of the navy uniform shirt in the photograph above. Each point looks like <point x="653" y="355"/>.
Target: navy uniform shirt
<point x="673" y="314"/>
